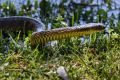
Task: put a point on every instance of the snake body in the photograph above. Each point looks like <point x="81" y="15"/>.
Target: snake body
<point x="22" y="23"/>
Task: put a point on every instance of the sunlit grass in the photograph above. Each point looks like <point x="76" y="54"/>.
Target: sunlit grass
<point x="97" y="57"/>
<point x="81" y="60"/>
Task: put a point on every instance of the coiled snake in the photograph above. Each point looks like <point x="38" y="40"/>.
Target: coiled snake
<point x="22" y="23"/>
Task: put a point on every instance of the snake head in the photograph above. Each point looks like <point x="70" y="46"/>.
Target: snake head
<point x="94" y="27"/>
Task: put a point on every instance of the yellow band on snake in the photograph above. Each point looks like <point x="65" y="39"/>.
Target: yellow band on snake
<point x="67" y="32"/>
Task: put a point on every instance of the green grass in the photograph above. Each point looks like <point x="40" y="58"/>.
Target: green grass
<point x="97" y="58"/>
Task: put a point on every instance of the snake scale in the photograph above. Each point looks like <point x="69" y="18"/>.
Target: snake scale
<point x="22" y="23"/>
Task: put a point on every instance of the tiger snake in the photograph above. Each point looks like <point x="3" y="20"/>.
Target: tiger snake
<point x="39" y="36"/>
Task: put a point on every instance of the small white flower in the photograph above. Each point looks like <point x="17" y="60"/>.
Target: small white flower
<point x="8" y="7"/>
